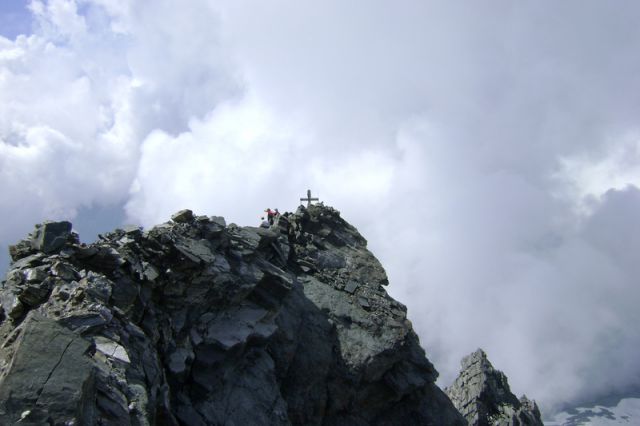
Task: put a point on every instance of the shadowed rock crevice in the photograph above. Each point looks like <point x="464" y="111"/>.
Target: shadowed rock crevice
<point x="196" y="322"/>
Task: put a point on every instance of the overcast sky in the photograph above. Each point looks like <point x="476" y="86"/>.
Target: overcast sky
<point x="489" y="151"/>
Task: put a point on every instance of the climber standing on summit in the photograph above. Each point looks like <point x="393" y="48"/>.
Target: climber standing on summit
<point x="270" y="215"/>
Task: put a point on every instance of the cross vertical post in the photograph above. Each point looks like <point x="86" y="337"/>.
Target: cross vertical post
<point x="308" y="199"/>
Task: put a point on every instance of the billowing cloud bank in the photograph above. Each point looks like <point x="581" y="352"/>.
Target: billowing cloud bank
<point x="490" y="153"/>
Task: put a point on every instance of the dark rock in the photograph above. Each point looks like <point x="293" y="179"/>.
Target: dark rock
<point x="104" y="259"/>
<point x="236" y="326"/>
<point x="150" y="272"/>
<point x="37" y="274"/>
<point x="124" y="294"/>
<point x="195" y="251"/>
<point x="132" y="230"/>
<point x="219" y="220"/>
<point x="483" y="396"/>
<point x="51" y="236"/>
<point x="351" y="287"/>
<point x="48" y="369"/>
<point x="20" y="250"/>
<point x="364" y="302"/>
<point x="188" y="415"/>
<point x="13" y="307"/>
<point x="64" y="271"/>
<point x="86" y="321"/>
<point x="253" y="239"/>
<point x="196" y="322"/>
<point x="179" y="360"/>
<point x="83" y="252"/>
<point x="98" y="287"/>
<point x="330" y="260"/>
<point x="36" y="292"/>
<point x="34" y="259"/>
<point x="183" y="216"/>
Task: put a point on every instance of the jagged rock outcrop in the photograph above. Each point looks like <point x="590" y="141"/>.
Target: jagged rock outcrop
<point x="194" y="322"/>
<point x="482" y="395"/>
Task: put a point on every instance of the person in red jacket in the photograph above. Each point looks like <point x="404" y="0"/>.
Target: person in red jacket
<point x="270" y="215"/>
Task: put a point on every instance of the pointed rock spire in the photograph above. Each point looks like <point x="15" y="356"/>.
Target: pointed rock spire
<point x="482" y="395"/>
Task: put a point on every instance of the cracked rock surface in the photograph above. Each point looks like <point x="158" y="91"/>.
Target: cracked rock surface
<point x="482" y="395"/>
<point x="196" y="322"/>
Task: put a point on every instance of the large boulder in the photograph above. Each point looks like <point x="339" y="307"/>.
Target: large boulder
<point x="47" y="375"/>
<point x="183" y="216"/>
<point x="51" y="236"/>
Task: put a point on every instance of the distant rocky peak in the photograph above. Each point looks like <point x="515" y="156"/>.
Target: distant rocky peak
<point x="495" y="385"/>
<point x="482" y="395"/>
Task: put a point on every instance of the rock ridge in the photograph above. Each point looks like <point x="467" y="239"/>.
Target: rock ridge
<point x="196" y="322"/>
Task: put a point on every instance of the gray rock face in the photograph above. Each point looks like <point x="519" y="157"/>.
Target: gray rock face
<point x="483" y="397"/>
<point x="51" y="236"/>
<point x="183" y="216"/>
<point x="194" y="322"/>
<point x="46" y="375"/>
<point x="47" y="238"/>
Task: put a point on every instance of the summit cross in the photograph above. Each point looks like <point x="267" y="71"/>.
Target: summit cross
<point x="308" y="199"/>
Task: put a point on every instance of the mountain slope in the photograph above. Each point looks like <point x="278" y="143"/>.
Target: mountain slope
<point x="198" y="323"/>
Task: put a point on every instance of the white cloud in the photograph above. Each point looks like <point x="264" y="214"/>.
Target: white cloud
<point x="590" y="177"/>
<point x="59" y="18"/>
<point x="64" y="132"/>
<point x="79" y="95"/>
<point x="225" y="163"/>
<point x="488" y="260"/>
<point x="464" y="141"/>
<point x="240" y="159"/>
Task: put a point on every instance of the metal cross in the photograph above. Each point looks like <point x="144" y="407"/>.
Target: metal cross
<point x="308" y="199"/>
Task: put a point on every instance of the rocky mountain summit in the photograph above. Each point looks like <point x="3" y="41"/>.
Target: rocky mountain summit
<point x="483" y="397"/>
<point x="196" y="322"/>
